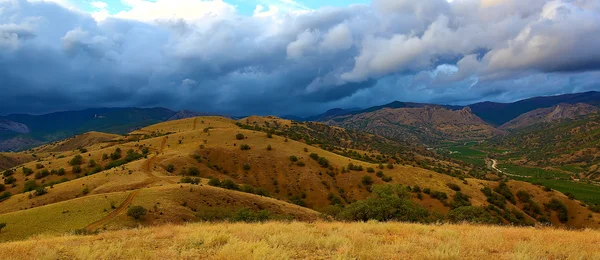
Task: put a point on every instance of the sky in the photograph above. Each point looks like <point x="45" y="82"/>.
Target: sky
<point x="291" y="57"/>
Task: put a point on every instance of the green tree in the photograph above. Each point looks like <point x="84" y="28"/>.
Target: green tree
<point x="136" y="212"/>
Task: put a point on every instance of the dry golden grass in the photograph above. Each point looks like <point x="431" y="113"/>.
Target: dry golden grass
<point x="296" y="240"/>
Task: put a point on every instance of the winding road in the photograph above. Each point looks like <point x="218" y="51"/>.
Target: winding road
<point x="116" y="212"/>
<point x="495" y="167"/>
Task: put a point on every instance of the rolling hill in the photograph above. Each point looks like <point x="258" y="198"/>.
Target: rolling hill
<point x="256" y="169"/>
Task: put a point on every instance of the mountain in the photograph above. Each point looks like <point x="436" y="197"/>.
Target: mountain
<point x="183" y="114"/>
<point x="501" y="113"/>
<point x="20" y="131"/>
<point x="546" y="115"/>
<point x="417" y="123"/>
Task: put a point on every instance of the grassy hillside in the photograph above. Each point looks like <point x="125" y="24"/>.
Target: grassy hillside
<point x="569" y="145"/>
<point x="277" y="240"/>
<point x="246" y="170"/>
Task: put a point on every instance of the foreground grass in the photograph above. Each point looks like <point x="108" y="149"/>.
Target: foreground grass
<point x="275" y="240"/>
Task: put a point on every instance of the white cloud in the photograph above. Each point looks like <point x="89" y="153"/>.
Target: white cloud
<point x="148" y="11"/>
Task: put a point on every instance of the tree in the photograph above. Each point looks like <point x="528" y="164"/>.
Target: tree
<point x="136" y="212"/>
<point x="240" y="137"/>
<point x="77" y="160"/>
<point x="2" y="225"/>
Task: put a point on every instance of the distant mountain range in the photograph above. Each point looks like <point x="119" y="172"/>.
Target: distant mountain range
<point x="406" y="121"/>
<point x="431" y="123"/>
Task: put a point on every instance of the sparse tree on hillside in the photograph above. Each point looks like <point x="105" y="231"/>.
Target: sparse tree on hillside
<point x="240" y="137"/>
<point x="136" y="212"/>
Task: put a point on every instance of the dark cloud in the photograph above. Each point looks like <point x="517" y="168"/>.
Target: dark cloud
<point x="53" y="58"/>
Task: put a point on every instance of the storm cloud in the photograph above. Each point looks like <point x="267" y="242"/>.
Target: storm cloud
<point x="206" y="56"/>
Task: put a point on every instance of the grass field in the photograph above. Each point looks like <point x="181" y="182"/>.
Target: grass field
<point x="465" y="153"/>
<point x="59" y="217"/>
<point x="295" y="240"/>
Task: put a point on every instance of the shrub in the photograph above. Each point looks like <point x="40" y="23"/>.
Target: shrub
<point x="5" y="195"/>
<point x="386" y="203"/>
<point x="2" y="225"/>
<point x="427" y="191"/>
<point x="92" y="163"/>
<point x="76" y="169"/>
<point x="453" y="186"/>
<point x="476" y="215"/>
<point x="379" y="174"/>
<point x="60" y="172"/>
<point x="214" y="182"/>
<point x="244" y="147"/>
<point x="293" y="158"/>
<point x="594" y="208"/>
<point x="386" y="178"/>
<point x="416" y="189"/>
<point x="570" y="195"/>
<point x="42" y="174"/>
<point x="380" y="166"/>
<point x="503" y="190"/>
<point x="439" y="195"/>
<point x="39" y="166"/>
<point x="240" y="136"/>
<point x="560" y="208"/>
<point x="370" y="170"/>
<point x="188" y="179"/>
<point x="193" y="171"/>
<point x="230" y="185"/>
<point x="104" y="157"/>
<point x="10" y="180"/>
<point x="523" y="196"/>
<point x="460" y="200"/>
<point x="85" y="190"/>
<point x="8" y="172"/>
<point x="2" y="187"/>
<point x="494" y="198"/>
<point x="27" y="171"/>
<point x="314" y="156"/>
<point x="246" y="167"/>
<point x="39" y="191"/>
<point x="390" y="166"/>
<point x="323" y="162"/>
<point x="116" y="155"/>
<point x="301" y="164"/>
<point x="548" y="189"/>
<point x="77" y="160"/>
<point x="170" y="168"/>
<point x="367" y="180"/>
<point x="269" y="135"/>
<point x="136" y="212"/>
<point x="269" y="148"/>
<point x="247" y="215"/>
<point x="30" y="185"/>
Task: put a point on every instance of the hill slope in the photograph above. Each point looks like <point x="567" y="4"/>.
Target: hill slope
<point x="150" y="165"/>
<point x="548" y="115"/>
<point x="428" y="124"/>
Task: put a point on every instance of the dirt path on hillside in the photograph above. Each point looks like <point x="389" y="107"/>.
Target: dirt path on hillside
<point x="495" y="167"/>
<point x="149" y="165"/>
<point x="112" y="215"/>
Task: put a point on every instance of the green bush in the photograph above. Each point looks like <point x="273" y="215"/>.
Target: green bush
<point x="170" y="168"/>
<point x="77" y="160"/>
<point x="5" y="195"/>
<point x="370" y="170"/>
<point x="560" y="208"/>
<point x="76" y="169"/>
<point x="293" y="158"/>
<point x="453" y="186"/>
<point x="8" y="172"/>
<point x="27" y="171"/>
<point x="136" y="212"/>
<point x="323" y="162"/>
<point x="301" y="164"/>
<point x="247" y="215"/>
<point x="476" y="215"/>
<point x="39" y="191"/>
<point x="439" y="195"/>
<point x="214" y="182"/>
<point x="503" y="190"/>
<point x="367" y="180"/>
<point x="10" y="180"/>
<point x="523" y="196"/>
<point x="379" y="174"/>
<point x="30" y="185"/>
<point x="385" y="204"/>
<point x="460" y="200"/>
<point x="240" y="136"/>
<point x="244" y="147"/>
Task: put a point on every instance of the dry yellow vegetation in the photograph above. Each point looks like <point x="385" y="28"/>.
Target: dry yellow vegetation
<point x="320" y="240"/>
